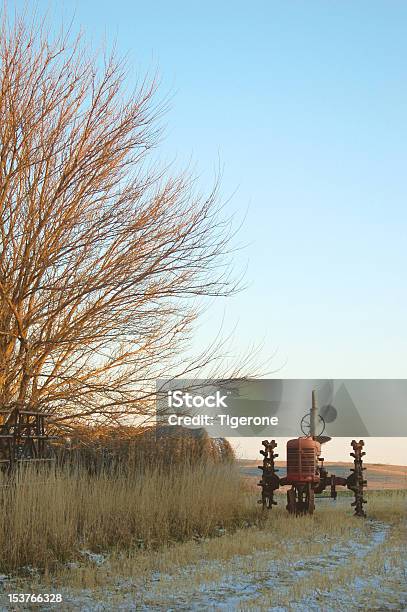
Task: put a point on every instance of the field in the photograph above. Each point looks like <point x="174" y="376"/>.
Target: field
<point x="379" y="476"/>
<point x="194" y="539"/>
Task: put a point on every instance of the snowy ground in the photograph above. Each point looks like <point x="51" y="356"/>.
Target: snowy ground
<point x="365" y="572"/>
<point x="255" y="581"/>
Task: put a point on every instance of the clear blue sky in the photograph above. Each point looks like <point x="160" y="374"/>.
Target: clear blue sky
<point x="305" y="104"/>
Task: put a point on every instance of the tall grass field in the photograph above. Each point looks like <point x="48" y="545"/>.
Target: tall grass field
<point x="48" y="515"/>
<point x="193" y="533"/>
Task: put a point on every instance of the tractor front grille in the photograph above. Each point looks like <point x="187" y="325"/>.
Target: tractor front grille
<point x="301" y="462"/>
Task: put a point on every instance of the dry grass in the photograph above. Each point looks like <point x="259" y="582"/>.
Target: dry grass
<point x="382" y="569"/>
<point x="103" y="446"/>
<point x="161" y="523"/>
<point x="48" y="517"/>
<point x="192" y="567"/>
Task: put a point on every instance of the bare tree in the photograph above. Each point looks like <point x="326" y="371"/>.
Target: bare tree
<point x="102" y="254"/>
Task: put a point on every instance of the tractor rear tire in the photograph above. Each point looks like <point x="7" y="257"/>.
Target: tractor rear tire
<point x="291" y="501"/>
<point x="310" y="499"/>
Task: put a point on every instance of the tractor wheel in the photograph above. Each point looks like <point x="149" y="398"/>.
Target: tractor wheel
<point x="267" y="501"/>
<point x="291" y="501"/>
<point x="310" y="499"/>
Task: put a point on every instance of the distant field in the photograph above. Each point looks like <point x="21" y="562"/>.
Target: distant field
<point x="379" y="476"/>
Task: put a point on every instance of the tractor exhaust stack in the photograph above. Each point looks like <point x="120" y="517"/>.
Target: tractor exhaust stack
<point x="314" y="413"/>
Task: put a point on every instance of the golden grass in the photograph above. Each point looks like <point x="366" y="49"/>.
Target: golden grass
<point x="386" y="562"/>
<point x="188" y="567"/>
<point x="165" y="511"/>
<point x="164" y="521"/>
<point x="47" y="517"/>
<point x="278" y="536"/>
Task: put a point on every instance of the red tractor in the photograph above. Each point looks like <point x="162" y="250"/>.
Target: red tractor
<point x="305" y="469"/>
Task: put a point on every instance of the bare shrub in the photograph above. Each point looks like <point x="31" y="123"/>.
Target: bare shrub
<point x="135" y="448"/>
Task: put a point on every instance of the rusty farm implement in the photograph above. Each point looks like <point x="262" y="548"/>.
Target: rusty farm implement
<point x="24" y="437"/>
<point x="306" y="475"/>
